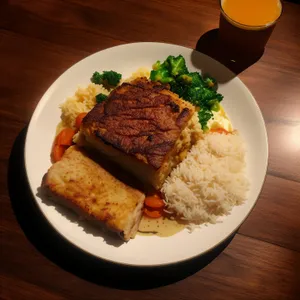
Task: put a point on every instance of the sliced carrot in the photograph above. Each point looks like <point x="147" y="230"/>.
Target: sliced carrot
<point x="57" y="152"/>
<point x="79" y="119"/>
<point x="154" y="202"/>
<point x="219" y="130"/>
<point x="154" y="214"/>
<point x="65" y="137"/>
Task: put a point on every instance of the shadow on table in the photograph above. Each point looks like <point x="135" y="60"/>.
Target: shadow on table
<point x="61" y="252"/>
<point x="210" y="44"/>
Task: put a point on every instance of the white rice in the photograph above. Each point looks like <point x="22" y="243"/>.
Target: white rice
<point x="210" y="181"/>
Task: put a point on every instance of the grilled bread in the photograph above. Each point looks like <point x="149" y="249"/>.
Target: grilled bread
<point x="85" y="186"/>
<point x="142" y="126"/>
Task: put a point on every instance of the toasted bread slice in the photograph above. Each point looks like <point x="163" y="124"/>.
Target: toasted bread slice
<point x="141" y="126"/>
<point x="85" y="186"/>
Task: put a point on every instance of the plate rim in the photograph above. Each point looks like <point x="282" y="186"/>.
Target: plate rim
<point x="43" y="100"/>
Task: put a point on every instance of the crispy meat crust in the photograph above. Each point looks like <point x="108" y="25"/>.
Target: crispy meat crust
<point x="140" y="118"/>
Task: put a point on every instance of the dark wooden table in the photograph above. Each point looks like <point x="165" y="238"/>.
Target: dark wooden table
<point x="41" y="39"/>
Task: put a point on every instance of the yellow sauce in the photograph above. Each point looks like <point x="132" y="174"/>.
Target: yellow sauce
<point x="162" y="227"/>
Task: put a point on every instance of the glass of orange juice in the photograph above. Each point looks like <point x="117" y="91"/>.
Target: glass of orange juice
<point x="246" y="25"/>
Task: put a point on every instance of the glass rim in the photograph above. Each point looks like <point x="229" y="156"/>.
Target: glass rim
<point x="251" y="26"/>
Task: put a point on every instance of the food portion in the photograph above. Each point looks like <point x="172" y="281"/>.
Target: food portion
<point x="83" y="185"/>
<point x="200" y="90"/>
<point x="82" y="102"/>
<point x="165" y="126"/>
<point x="144" y="127"/>
<point x="210" y="181"/>
<point x="62" y="141"/>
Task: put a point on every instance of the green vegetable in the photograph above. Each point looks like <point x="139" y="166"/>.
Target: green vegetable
<point x="193" y="79"/>
<point x="107" y="78"/>
<point x="96" y="78"/>
<point x="176" y="65"/>
<point x="214" y="105"/>
<point x="161" y="75"/>
<point x="170" y="68"/>
<point x="158" y="65"/>
<point x="210" y="82"/>
<point x="204" y="116"/>
<point x="100" y="98"/>
<point x="185" y="79"/>
<point x="192" y="87"/>
<point x="201" y="96"/>
<point x="178" y="88"/>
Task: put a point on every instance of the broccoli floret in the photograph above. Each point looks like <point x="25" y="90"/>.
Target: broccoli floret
<point x="214" y="105"/>
<point x="100" y="98"/>
<point x="176" y="65"/>
<point x="96" y="78"/>
<point x="184" y="79"/>
<point x="219" y="97"/>
<point x="162" y="75"/>
<point x="167" y="71"/>
<point x="107" y="78"/>
<point x="207" y="94"/>
<point x="193" y="79"/>
<point x="204" y="95"/>
<point x="196" y="79"/>
<point x="193" y="94"/>
<point x="178" y="88"/>
<point x="204" y="116"/>
<point x="113" y="78"/>
<point x="210" y="82"/>
<point x="158" y="65"/>
<point x="201" y="96"/>
<point x="192" y="87"/>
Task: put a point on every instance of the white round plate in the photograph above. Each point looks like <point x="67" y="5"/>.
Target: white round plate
<point x="240" y="106"/>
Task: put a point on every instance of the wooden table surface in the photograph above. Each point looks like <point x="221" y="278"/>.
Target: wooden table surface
<point x="39" y="40"/>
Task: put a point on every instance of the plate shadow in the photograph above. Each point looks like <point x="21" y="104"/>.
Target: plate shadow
<point x="76" y="261"/>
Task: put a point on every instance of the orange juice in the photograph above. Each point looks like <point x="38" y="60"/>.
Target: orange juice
<point x="246" y="25"/>
<point x="252" y="12"/>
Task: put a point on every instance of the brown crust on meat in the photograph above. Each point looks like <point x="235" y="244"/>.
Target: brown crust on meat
<point x="140" y="118"/>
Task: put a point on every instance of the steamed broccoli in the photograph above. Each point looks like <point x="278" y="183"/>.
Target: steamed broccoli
<point x="96" y="78"/>
<point x="210" y="82"/>
<point x="158" y="65"/>
<point x="214" y="105"/>
<point x="208" y="100"/>
<point x="184" y="79"/>
<point x="192" y="79"/>
<point x="167" y="71"/>
<point x="207" y="94"/>
<point x="204" y="116"/>
<point x="200" y="96"/>
<point x="200" y="91"/>
<point x="108" y="78"/>
<point x="176" y="65"/>
<point x="193" y="94"/>
<point x="100" y="98"/>
<point x="178" y="88"/>
<point x="162" y="75"/>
